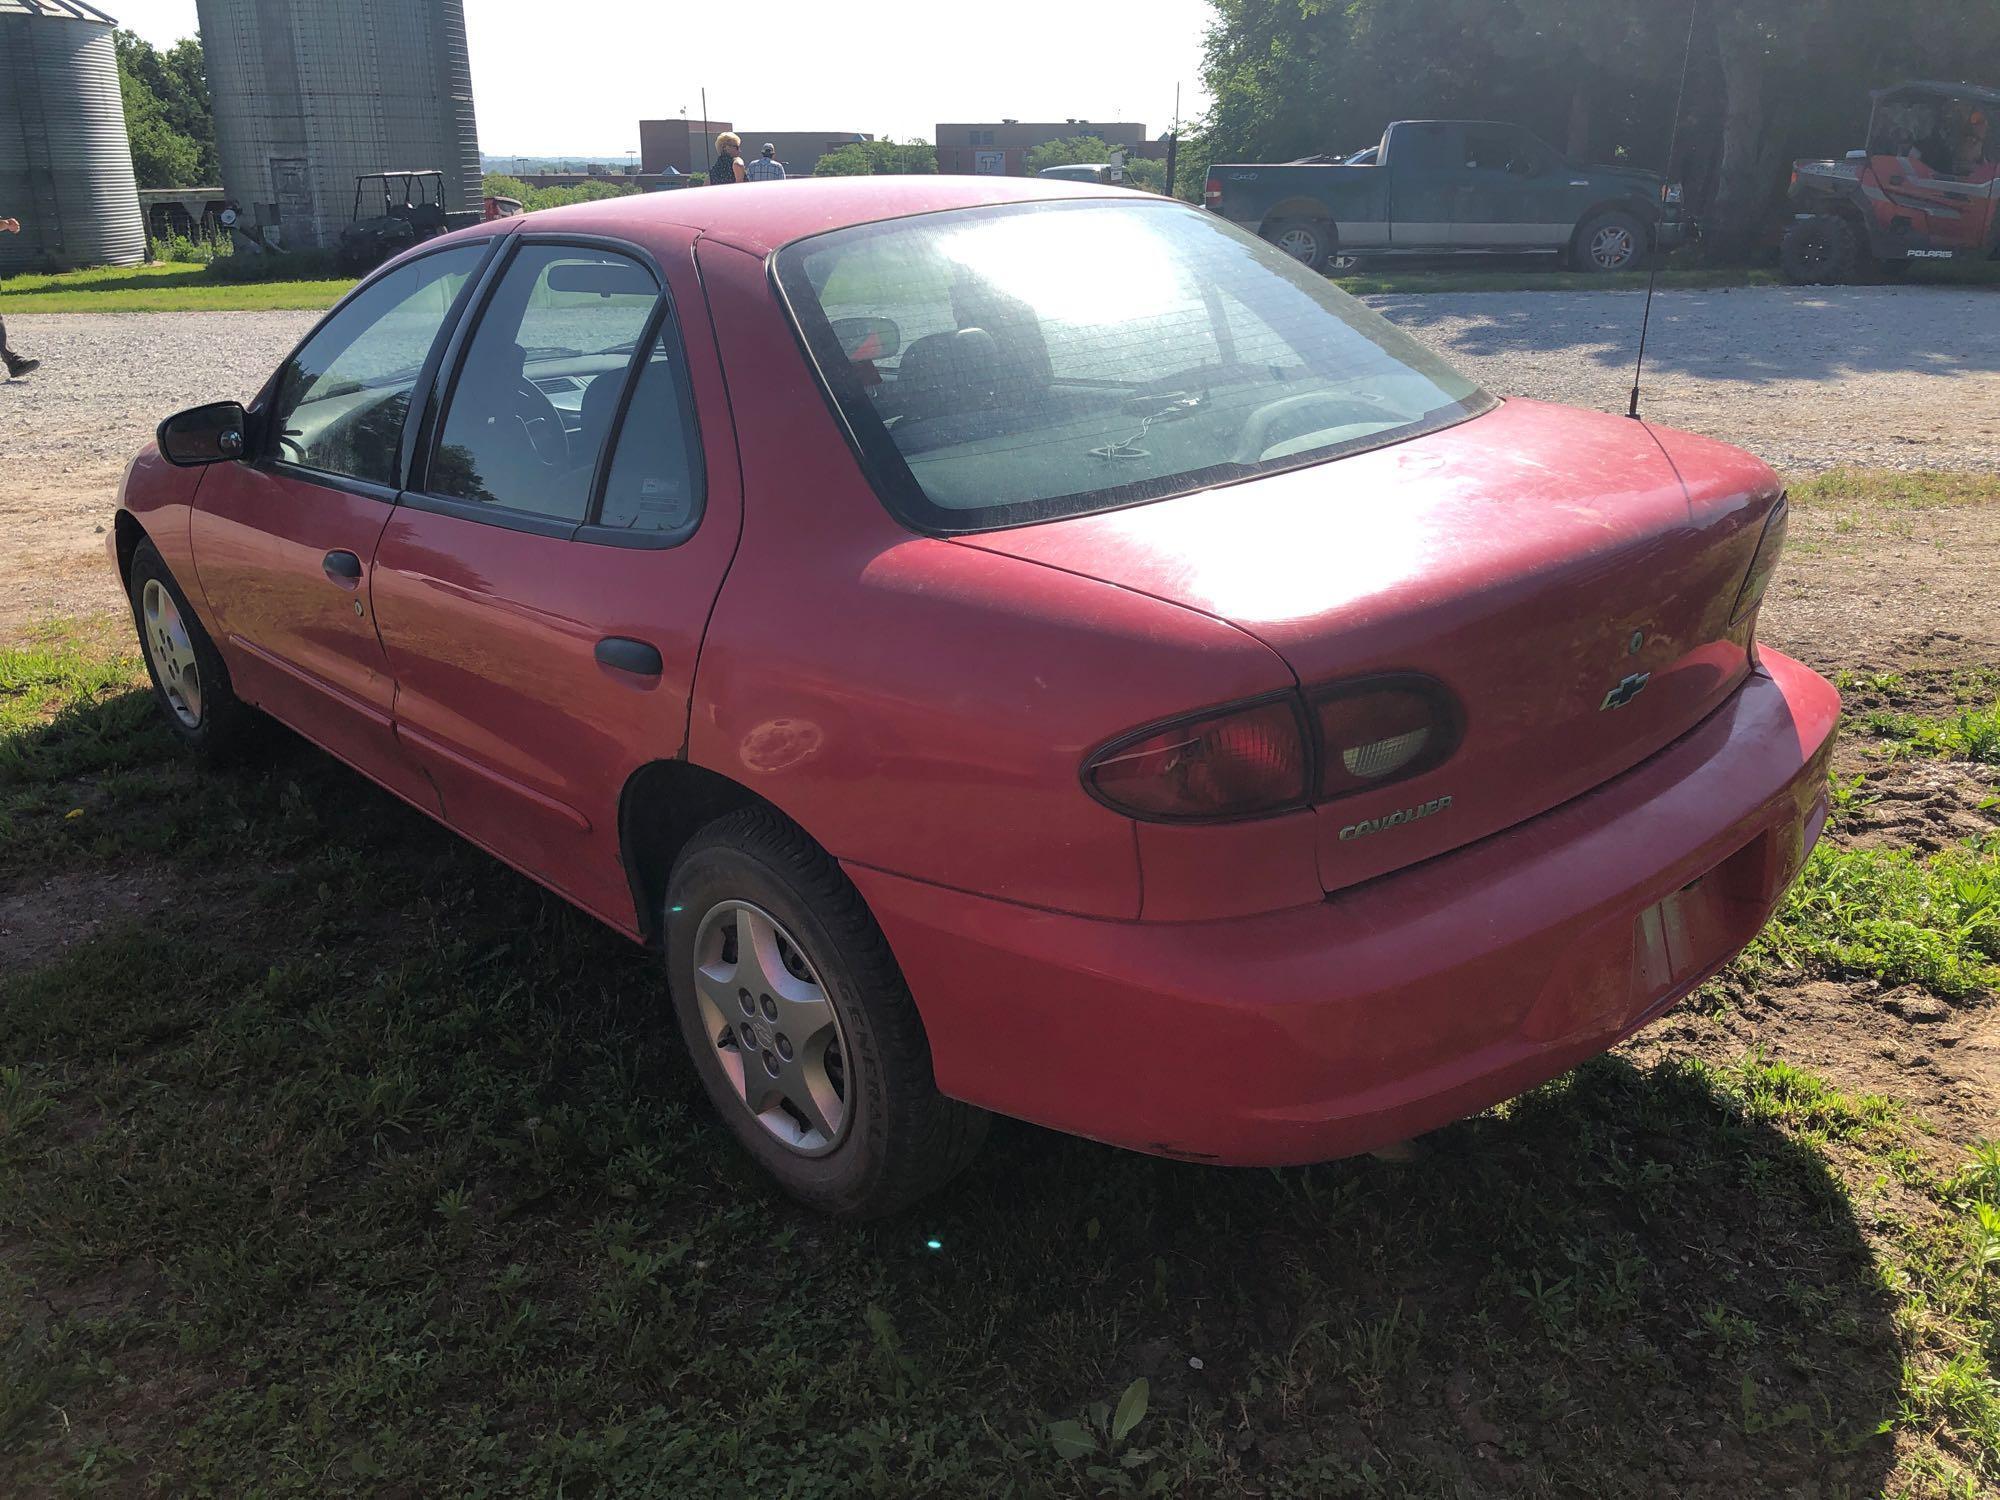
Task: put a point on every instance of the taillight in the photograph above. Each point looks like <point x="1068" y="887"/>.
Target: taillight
<point x="1278" y="754"/>
<point x="1769" y="547"/>
<point x="1380" y="730"/>
<point x="1234" y="763"/>
<point x="1211" y="191"/>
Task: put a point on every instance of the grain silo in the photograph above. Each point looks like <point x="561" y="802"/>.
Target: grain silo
<point x="65" y="161"/>
<point x="310" y="94"/>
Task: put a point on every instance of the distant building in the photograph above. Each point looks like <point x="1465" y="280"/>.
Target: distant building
<point x="999" y="148"/>
<point x="689" y="145"/>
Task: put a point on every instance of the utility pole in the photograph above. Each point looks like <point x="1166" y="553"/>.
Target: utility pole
<point x="1174" y="140"/>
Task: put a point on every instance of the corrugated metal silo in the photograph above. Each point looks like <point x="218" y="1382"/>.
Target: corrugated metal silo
<point x="310" y="94"/>
<point x="65" y="160"/>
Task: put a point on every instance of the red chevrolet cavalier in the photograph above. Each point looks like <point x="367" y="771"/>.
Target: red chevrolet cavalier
<point x="1012" y="647"/>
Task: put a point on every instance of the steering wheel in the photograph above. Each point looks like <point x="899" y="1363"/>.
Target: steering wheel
<point x="1255" y="439"/>
<point x="543" y="424"/>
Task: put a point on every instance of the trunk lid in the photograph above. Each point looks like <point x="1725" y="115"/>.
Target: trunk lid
<point x="1555" y="569"/>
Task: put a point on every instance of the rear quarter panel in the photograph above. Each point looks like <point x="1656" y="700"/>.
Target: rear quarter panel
<point x="919" y="706"/>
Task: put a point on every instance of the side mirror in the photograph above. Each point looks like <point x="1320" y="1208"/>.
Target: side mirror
<point x="210" y="434"/>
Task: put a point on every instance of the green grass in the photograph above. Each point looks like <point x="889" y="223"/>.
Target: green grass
<point x="163" y="288"/>
<point x="1971" y="734"/>
<point x="1916" y="489"/>
<point x="345" y="1161"/>
<point x="1893" y="915"/>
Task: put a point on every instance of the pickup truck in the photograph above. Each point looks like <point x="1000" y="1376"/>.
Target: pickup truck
<point x="1452" y="187"/>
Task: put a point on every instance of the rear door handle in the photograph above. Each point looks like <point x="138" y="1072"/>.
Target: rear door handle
<point x="342" y="567"/>
<point x="628" y="655"/>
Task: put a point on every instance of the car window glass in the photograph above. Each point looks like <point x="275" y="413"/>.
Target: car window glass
<point x="1423" y="147"/>
<point x="1489" y="150"/>
<point x="1012" y="365"/>
<point x="342" y="398"/>
<point x="656" y="473"/>
<point x="539" y="384"/>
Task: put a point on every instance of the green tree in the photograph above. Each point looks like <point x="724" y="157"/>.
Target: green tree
<point x="878" y="159"/>
<point x="167" y="112"/>
<point x="499" y="185"/>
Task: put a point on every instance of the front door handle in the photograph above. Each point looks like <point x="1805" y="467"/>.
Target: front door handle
<point x="342" y="567"/>
<point x="628" y="655"/>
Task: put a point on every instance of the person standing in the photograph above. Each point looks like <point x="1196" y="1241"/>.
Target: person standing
<point x="16" y="364"/>
<point x="728" y="163"/>
<point x="766" y="168"/>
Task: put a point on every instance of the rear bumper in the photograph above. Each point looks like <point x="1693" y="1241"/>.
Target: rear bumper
<point x="1394" y="1007"/>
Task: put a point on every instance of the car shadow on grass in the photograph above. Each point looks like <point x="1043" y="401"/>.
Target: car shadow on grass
<point x="371" y="1161"/>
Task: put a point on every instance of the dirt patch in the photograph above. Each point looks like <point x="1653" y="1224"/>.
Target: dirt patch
<point x="40" y="920"/>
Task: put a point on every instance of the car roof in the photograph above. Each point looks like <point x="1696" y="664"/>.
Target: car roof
<point x="762" y="216"/>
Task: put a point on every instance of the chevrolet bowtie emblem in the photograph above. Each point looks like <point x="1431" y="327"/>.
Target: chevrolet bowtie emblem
<point x="1626" y="691"/>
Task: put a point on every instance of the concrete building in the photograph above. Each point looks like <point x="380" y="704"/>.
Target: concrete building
<point x="999" y="148"/>
<point x="689" y="145"/>
<point x="65" y="159"/>
<point x="310" y="94"/>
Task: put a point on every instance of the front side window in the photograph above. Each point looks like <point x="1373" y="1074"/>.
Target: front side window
<point x="1004" y="365"/>
<point x="342" y="398"/>
<point x="540" y="381"/>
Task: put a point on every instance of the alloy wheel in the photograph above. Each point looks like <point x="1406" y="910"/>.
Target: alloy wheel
<point x="1299" y="244"/>
<point x="1612" y="247"/>
<point x="773" y="1027"/>
<point x="171" y="651"/>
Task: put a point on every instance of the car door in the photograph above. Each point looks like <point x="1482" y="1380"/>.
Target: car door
<point x="283" y="540"/>
<point x="1512" y="193"/>
<point x="1423" y="157"/>
<point x="543" y="585"/>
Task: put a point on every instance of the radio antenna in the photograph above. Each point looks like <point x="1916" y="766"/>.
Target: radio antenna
<point x="1653" y="270"/>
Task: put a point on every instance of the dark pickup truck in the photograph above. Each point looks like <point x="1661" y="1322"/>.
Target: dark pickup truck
<point x="1452" y="187"/>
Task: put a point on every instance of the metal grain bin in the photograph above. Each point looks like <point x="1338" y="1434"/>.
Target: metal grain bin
<point x="65" y="160"/>
<point x="310" y="94"/>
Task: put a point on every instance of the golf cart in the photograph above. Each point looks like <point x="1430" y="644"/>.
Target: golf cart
<point x="1924" y="188"/>
<point x="393" y="211"/>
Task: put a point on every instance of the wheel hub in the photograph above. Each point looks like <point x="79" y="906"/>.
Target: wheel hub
<point x="170" y="650"/>
<point x="1612" y="247"/>
<point x="773" y="1027"/>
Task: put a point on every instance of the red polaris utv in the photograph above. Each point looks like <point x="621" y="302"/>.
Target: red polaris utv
<point x="1925" y="188"/>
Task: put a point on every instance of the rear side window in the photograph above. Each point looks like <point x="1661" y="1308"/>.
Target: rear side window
<point x="1424" y="147"/>
<point x="344" y="394"/>
<point x="655" y="483"/>
<point x="1004" y="365"/>
<point x="540" y="381"/>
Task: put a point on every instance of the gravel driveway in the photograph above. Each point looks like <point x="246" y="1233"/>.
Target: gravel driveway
<point x="1903" y="377"/>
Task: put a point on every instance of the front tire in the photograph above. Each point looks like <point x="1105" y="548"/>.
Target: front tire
<point x="1608" y="242"/>
<point x="1310" y="242"/>
<point x="190" y="682"/>
<point x="800" y="1025"/>
<point x="1819" y="251"/>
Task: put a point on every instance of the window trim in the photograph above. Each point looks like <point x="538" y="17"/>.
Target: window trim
<point x="427" y="434"/>
<point x="260" y="411"/>
<point x="888" y="474"/>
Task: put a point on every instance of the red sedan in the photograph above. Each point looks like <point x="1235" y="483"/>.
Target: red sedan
<point x="1011" y="646"/>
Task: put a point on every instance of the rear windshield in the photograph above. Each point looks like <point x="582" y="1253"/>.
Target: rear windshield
<point x="998" y="366"/>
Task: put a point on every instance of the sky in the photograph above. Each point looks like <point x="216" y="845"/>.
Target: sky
<point x="573" y="79"/>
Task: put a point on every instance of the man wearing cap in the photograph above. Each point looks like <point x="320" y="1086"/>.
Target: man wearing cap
<point x="766" y="168"/>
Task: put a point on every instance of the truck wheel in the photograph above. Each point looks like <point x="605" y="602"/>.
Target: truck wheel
<point x="1610" y="241"/>
<point x="1818" y="251"/>
<point x="1306" y="241"/>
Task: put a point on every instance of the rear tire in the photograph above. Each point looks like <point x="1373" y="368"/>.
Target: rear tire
<point x="1310" y="242"/>
<point x="1821" y="251"/>
<point x="190" y="682"/>
<point x="801" y="1027"/>
<point x="1608" y="242"/>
